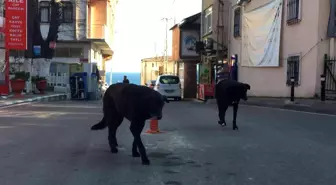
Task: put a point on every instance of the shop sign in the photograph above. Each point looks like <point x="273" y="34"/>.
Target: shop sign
<point x="16" y="24"/>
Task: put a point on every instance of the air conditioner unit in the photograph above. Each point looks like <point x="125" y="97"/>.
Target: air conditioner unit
<point x="209" y="43"/>
<point x="240" y="2"/>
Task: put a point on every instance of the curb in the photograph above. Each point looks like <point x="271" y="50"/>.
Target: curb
<point x="287" y="106"/>
<point x="45" y="98"/>
<point x="295" y="107"/>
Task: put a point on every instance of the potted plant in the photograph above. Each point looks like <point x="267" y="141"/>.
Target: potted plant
<point x="40" y="82"/>
<point x="18" y="82"/>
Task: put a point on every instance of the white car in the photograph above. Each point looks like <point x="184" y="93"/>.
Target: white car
<point x="169" y="86"/>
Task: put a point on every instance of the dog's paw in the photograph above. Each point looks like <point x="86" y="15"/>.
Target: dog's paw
<point x="135" y="154"/>
<point x="114" y="150"/>
<point x="235" y="127"/>
<point x="145" y="162"/>
<point x="221" y="123"/>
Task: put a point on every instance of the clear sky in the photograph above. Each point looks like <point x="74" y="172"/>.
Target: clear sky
<point x="139" y="28"/>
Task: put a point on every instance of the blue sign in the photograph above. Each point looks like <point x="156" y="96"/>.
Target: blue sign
<point x="190" y="42"/>
<point x="37" y="50"/>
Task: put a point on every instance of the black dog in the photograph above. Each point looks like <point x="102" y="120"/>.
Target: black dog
<point x="135" y="103"/>
<point x="229" y="92"/>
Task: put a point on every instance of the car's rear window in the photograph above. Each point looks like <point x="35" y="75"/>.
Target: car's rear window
<point x="169" y="80"/>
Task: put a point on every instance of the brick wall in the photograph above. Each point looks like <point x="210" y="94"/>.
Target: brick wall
<point x="176" y="43"/>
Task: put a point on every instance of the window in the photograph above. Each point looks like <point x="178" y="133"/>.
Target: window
<point x="169" y="80"/>
<point x="16" y="53"/>
<point x="207" y="23"/>
<point x="67" y="12"/>
<point x="332" y="20"/>
<point x="44" y="12"/>
<point x="69" y="52"/>
<point x="293" y="69"/>
<point x="76" y="52"/>
<point x="236" y="24"/>
<point x="293" y="11"/>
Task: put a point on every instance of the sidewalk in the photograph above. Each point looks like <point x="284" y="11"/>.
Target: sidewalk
<point x="49" y="96"/>
<point x="307" y="105"/>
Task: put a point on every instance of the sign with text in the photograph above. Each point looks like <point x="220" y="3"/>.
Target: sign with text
<point x="16" y="24"/>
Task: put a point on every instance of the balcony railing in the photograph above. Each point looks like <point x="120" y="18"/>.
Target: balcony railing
<point x="100" y="32"/>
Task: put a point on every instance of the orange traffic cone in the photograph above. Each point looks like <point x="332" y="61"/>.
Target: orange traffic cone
<point x="153" y="127"/>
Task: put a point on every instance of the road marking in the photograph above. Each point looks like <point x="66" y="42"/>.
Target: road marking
<point x="15" y="105"/>
<point x="289" y="110"/>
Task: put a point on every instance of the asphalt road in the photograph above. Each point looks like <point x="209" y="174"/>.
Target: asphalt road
<point x="52" y="144"/>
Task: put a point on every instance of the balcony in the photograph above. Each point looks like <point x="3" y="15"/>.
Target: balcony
<point x="101" y="35"/>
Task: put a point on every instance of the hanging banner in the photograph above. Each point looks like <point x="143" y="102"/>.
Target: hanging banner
<point x="16" y="24"/>
<point x="261" y="35"/>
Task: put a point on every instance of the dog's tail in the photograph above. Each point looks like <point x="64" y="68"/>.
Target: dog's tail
<point x="99" y="126"/>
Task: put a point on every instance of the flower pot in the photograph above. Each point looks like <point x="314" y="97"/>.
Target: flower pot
<point x="41" y="85"/>
<point x="17" y="87"/>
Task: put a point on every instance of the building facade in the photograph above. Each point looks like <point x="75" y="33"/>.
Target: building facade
<point x="153" y="67"/>
<point x="298" y="43"/>
<point x="185" y="35"/>
<point x="85" y="36"/>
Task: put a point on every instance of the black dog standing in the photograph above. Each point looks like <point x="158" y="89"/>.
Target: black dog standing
<point x="135" y="103"/>
<point x="227" y="93"/>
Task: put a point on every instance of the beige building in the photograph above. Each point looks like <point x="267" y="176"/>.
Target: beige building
<point x="151" y="68"/>
<point x="302" y="43"/>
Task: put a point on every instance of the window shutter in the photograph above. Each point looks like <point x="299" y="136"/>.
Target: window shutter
<point x="332" y="20"/>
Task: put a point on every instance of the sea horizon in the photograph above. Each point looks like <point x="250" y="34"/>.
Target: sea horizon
<point x="133" y="77"/>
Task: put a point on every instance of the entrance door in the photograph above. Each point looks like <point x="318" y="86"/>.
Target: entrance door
<point x="4" y="73"/>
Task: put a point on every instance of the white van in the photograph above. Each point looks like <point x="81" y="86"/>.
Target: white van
<point x="169" y="86"/>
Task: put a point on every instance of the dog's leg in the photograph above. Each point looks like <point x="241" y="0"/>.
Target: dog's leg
<point x="135" y="152"/>
<point x="120" y="120"/>
<point x="222" y="107"/>
<point x="235" y="110"/>
<point x="112" y="128"/>
<point x="136" y="129"/>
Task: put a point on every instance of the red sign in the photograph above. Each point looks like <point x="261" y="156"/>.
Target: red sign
<point x="205" y="90"/>
<point x="52" y="45"/>
<point x="208" y="90"/>
<point x="16" y="24"/>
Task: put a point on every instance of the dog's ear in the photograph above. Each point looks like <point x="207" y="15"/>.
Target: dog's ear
<point x="247" y="86"/>
<point x="165" y="99"/>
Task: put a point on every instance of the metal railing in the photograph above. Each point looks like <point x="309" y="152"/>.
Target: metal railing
<point x="330" y="74"/>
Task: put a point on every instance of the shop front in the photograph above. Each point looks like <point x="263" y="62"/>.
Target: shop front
<point x="205" y="87"/>
<point x="209" y="74"/>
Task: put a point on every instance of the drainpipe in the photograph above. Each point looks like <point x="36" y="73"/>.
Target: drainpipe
<point x="332" y="47"/>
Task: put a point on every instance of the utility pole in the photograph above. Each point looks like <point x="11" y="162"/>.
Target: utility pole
<point x="173" y="4"/>
<point x="166" y="19"/>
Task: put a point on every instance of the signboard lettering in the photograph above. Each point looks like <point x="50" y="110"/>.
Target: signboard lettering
<point x="16" y="24"/>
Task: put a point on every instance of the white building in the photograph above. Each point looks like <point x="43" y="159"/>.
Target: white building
<point x="85" y="37"/>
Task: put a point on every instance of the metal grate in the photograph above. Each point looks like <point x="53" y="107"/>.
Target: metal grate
<point x="330" y="73"/>
<point x="293" y="69"/>
<point x="236" y="26"/>
<point x="293" y="11"/>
